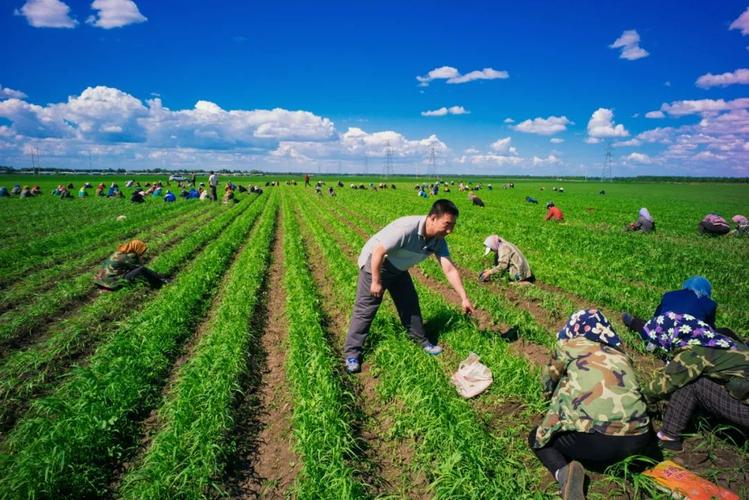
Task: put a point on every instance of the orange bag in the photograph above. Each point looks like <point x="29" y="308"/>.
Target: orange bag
<point x="674" y="478"/>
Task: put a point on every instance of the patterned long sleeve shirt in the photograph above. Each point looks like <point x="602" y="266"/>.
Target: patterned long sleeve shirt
<point x="725" y="366"/>
<point x="593" y="389"/>
<point x="113" y="269"/>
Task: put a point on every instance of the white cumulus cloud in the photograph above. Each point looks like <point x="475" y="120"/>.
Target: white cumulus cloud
<point x="543" y="126"/>
<point x="509" y="120"/>
<point x="444" y="111"/>
<point x="629" y="43"/>
<point x="639" y="158"/>
<point x="115" y="14"/>
<point x="503" y="146"/>
<point x="601" y="125"/>
<point x="655" y="114"/>
<point x="47" y="14"/>
<point x="5" y="92"/>
<point x="701" y="106"/>
<point x="556" y="140"/>
<point x="453" y="76"/>
<point x="741" y="23"/>
<point x="740" y="76"/>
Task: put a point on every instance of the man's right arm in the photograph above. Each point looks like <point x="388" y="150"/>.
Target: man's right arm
<point x="378" y="257"/>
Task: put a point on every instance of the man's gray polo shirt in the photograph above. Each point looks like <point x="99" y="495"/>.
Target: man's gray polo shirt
<point x="405" y="244"/>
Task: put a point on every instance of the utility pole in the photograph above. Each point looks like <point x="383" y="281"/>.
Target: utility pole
<point x="607" y="171"/>
<point x="388" y="161"/>
<point x="432" y="167"/>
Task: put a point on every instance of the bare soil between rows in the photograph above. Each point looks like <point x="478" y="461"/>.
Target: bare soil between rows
<point x="264" y="464"/>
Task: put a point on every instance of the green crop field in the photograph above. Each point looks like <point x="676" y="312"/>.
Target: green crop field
<point x="228" y="380"/>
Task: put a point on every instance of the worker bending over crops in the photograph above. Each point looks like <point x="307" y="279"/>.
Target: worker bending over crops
<point x="553" y="213"/>
<point x="596" y="412"/>
<point x="645" y="222"/>
<point x="713" y="225"/>
<point x="705" y="369"/>
<point x="693" y="299"/>
<point x="124" y="266"/>
<point x="383" y="265"/>
<point x="507" y="258"/>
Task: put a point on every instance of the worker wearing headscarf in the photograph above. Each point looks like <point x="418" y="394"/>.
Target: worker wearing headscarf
<point x="507" y="258"/>
<point x="705" y="369"/>
<point x="645" y="222"/>
<point x="596" y="412"/>
<point x="126" y="265"/>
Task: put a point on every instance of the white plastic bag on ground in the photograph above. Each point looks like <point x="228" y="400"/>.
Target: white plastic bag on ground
<point x="472" y="377"/>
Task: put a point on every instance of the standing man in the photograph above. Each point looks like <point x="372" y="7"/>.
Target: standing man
<point x="383" y="265"/>
<point x="213" y="182"/>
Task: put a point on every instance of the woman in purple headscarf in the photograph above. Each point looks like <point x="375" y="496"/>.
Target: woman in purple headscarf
<point x="705" y="369"/>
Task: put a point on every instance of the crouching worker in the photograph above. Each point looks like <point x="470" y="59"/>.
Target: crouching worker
<point x="124" y="266"/>
<point x="644" y="223"/>
<point x="383" y="265"/>
<point x="706" y="370"/>
<point x="507" y="258"/>
<point x="596" y="414"/>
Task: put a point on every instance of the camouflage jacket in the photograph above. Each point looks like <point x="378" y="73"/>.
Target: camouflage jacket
<point x="593" y="389"/>
<point x="512" y="260"/>
<point x="729" y="367"/>
<point x="112" y="270"/>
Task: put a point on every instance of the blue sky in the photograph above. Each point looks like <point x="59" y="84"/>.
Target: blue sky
<point x="490" y="87"/>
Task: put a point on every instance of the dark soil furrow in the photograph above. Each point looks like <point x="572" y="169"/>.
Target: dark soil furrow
<point x="264" y="464"/>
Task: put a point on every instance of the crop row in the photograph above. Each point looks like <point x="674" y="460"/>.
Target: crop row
<point x="32" y="314"/>
<point x="44" y="278"/>
<point x="25" y="372"/>
<point x="187" y="453"/>
<point x="321" y="415"/>
<point x="52" y="216"/>
<point x="42" y="252"/>
<point x="460" y="457"/>
<point x="70" y="440"/>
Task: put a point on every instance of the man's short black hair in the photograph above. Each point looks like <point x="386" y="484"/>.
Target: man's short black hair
<point x="442" y="207"/>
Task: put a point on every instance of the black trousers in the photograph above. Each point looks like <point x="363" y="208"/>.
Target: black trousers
<point x="142" y="272"/>
<point x="590" y="447"/>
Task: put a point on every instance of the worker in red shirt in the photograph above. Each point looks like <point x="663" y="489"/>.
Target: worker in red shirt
<point x="553" y="213"/>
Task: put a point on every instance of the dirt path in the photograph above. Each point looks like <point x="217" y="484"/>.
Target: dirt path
<point x="264" y="465"/>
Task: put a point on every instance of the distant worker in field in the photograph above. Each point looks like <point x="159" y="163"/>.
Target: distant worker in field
<point x="475" y="199"/>
<point x="644" y="223"/>
<point x="507" y="259"/>
<point x="82" y="193"/>
<point x="530" y="199"/>
<point x="126" y="265"/>
<point x="229" y="196"/>
<point x="331" y="191"/>
<point x="306" y="180"/>
<point x="213" y="184"/>
<point x="706" y="369"/>
<point x="137" y="196"/>
<point x="713" y="225"/>
<point x="26" y="192"/>
<point x="742" y="225"/>
<point x="553" y="213"/>
<point x="4" y="192"/>
<point x="693" y="299"/>
<point x="16" y="189"/>
<point x="597" y="413"/>
<point x="383" y="265"/>
<point x="169" y="197"/>
<point x="35" y="189"/>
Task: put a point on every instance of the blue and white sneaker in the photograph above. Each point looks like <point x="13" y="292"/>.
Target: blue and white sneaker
<point x="432" y="349"/>
<point x="353" y="365"/>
